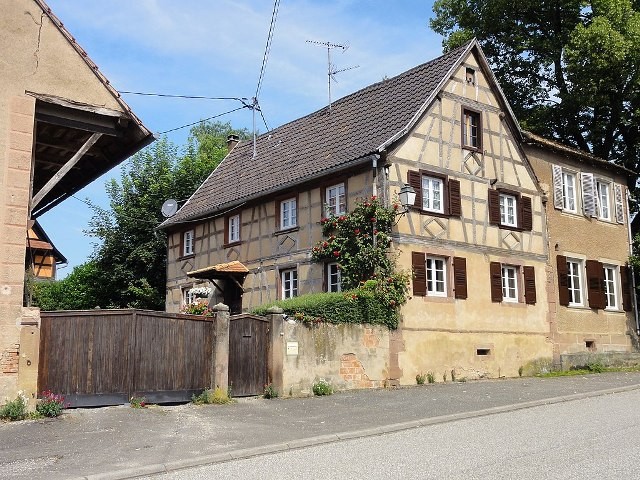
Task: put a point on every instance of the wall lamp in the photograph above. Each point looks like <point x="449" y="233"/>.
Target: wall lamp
<point x="407" y="197"/>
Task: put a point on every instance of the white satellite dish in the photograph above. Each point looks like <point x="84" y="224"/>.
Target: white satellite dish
<point x="169" y="208"/>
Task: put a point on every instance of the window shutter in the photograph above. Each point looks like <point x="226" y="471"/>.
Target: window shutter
<point x="494" y="207"/>
<point x="588" y="195"/>
<point x="415" y="180"/>
<point x="419" y="274"/>
<point x="595" y="282"/>
<point x="563" y="280"/>
<point x="495" y="270"/>
<point x="619" y="204"/>
<point x="455" y="200"/>
<point x="460" y="277"/>
<point x="626" y="288"/>
<point x="529" y="275"/>
<point x="226" y="230"/>
<point x="181" y="252"/>
<point x="526" y="214"/>
<point x="557" y="187"/>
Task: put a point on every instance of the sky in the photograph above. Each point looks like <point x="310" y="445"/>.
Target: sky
<point x="215" y="48"/>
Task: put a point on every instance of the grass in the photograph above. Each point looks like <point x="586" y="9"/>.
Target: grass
<point x="588" y="370"/>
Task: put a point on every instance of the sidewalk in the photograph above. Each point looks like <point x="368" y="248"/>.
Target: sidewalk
<point x="122" y="442"/>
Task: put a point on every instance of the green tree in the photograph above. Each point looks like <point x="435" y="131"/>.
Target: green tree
<point x="569" y="68"/>
<point x="77" y="291"/>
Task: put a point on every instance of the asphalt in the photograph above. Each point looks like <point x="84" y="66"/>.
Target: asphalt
<point x="123" y="442"/>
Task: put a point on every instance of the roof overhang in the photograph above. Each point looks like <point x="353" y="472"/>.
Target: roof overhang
<point x="220" y="271"/>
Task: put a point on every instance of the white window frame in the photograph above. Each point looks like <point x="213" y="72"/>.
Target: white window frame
<point x="575" y="275"/>
<point x="611" y="287"/>
<point x="603" y="189"/>
<point x="187" y="296"/>
<point x="336" y="200"/>
<point x="510" y="275"/>
<point x="569" y="191"/>
<point x="468" y="139"/>
<point x="334" y="279"/>
<point x="289" y="283"/>
<point x="508" y="212"/>
<point x="234" y="228"/>
<point x="436" y="284"/>
<point x="432" y="197"/>
<point x="288" y="213"/>
<point x="188" y="241"/>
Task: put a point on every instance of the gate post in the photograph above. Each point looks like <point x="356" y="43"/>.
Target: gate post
<point x="276" y="347"/>
<point x="220" y="370"/>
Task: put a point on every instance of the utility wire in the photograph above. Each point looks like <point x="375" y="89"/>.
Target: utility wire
<point x="197" y="97"/>
<point x="267" y="48"/>
<point x="201" y="121"/>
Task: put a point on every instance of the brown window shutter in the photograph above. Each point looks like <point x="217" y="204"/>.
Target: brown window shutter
<point x="495" y="270"/>
<point x="563" y="280"/>
<point x="494" y="208"/>
<point x="526" y="214"/>
<point x="415" y="180"/>
<point x="226" y="230"/>
<point x="455" y="200"/>
<point x="595" y="281"/>
<point x="626" y="288"/>
<point x="529" y="275"/>
<point x="460" y="277"/>
<point x="419" y="274"/>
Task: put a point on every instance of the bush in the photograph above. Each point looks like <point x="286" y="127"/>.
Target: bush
<point x="50" y="405"/>
<point x="322" y="387"/>
<point x="212" y="397"/>
<point x="421" y="378"/>
<point x="14" y="409"/>
<point x="431" y="378"/>
<point x="270" y="391"/>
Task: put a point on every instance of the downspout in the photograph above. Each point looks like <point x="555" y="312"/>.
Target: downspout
<point x="374" y="166"/>
<point x="634" y="297"/>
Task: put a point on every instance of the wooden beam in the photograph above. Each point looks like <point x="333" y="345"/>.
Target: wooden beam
<point x="53" y="181"/>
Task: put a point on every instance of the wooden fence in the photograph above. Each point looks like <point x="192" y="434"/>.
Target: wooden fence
<point x="104" y="357"/>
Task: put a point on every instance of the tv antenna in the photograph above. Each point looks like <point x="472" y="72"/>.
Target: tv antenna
<point x="331" y="69"/>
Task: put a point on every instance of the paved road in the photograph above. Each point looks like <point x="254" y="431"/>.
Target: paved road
<point x="590" y="438"/>
<point x="121" y="442"/>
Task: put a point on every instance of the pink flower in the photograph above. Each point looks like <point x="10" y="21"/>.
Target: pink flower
<point x="336" y="253"/>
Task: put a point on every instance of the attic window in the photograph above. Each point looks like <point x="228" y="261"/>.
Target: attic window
<point x="470" y="76"/>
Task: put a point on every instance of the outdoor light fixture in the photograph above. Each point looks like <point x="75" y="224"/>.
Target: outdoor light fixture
<point x="407" y="197"/>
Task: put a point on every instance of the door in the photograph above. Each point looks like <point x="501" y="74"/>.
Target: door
<point x="248" y="353"/>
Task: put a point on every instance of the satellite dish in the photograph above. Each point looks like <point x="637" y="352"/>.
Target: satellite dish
<point x="169" y="208"/>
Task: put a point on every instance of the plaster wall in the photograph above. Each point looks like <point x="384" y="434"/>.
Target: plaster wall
<point x="585" y="238"/>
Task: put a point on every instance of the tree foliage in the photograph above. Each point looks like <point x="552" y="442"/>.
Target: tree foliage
<point x="569" y="68"/>
<point x="129" y="261"/>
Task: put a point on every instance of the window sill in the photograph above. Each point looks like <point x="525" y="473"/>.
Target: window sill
<point x="232" y="244"/>
<point x="286" y="230"/>
<point x="186" y="257"/>
<point x="472" y="149"/>
<point x="435" y="299"/>
<point x="433" y="214"/>
<point x="509" y="304"/>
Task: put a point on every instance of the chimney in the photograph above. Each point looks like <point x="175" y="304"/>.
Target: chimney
<point x="232" y="141"/>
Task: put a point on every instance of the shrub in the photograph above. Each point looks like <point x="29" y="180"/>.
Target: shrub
<point x="14" y="409"/>
<point x="270" y="391"/>
<point x="212" y="397"/>
<point x="50" y="405"/>
<point x="199" y="307"/>
<point x="138" y="402"/>
<point x="421" y="378"/>
<point x="322" y="387"/>
<point x="596" y="367"/>
<point x="431" y="378"/>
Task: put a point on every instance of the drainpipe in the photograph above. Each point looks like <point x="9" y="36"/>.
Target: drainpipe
<point x="374" y="164"/>
<point x="634" y="298"/>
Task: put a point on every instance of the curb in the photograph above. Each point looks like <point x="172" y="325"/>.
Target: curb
<point x="159" y="468"/>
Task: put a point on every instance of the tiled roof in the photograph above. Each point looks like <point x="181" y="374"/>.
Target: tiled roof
<point x="210" y="272"/>
<point x="321" y="142"/>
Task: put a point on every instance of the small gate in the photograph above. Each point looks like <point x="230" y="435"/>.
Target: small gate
<point x="248" y="353"/>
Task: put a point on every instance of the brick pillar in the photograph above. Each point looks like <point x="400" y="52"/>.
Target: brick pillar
<point x="276" y="348"/>
<point x="220" y="370"/>
<point x="15" y="195"/>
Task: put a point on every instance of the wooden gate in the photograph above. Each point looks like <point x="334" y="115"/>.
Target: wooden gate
<point x="248" y="353"/>
<point x="105" y="357"/>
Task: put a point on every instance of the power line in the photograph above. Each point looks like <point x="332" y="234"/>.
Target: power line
<point x="201" y="121"/>
<point x="197" y="97"/>
<point x="267" y="48"/>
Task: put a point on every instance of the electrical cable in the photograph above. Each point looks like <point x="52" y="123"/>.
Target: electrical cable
<point x="267" y="49"/>
<point x="201" y="121"/>
<point x="197" y="97"/>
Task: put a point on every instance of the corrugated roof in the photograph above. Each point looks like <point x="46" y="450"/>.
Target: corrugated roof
<point x="321" y="142"/>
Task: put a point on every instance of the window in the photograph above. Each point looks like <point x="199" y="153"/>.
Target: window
<point x="288" y="214"/>
<point x="610" y="287"/>
<point x="289" y="282"/>
<point x="510" y="210"/>
<point x="569" y="191"/>
<point x="574" y="282"/>
<point x="233" y="229"/>
<point x="507" y="280"/>
<point x="471" y="129"/>
<point x="335" y="200"/>
<point x="604" y="209"/>
<point x="508" y="215"/>
<point x="436" y="276"/>
<point x="432" y="275"/>
<point x="509" y="284"/>
<point x="188" y="243"/>
<point x="435" y="194"/>
<point x="470" y="75"/>
<point x="432" y="194"/>
<point x="333" y="278"/>
<point x="188" y="296"/>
